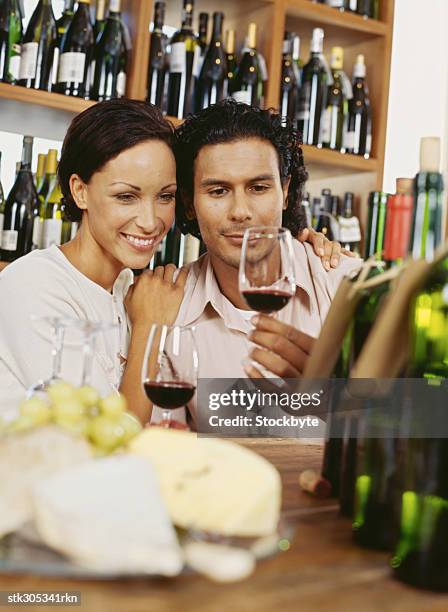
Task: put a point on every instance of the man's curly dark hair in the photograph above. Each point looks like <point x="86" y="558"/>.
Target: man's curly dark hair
<point x="228" y="121"/>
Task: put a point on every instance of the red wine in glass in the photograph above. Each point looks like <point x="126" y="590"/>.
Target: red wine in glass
<point x="266" y="300"/>
<point x="169" y="394"/>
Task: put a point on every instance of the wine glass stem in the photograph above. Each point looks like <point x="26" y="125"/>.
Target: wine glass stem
<point x="87" y="359"/>
<point x="56" y="352"/>
<point x="166" y="418"/>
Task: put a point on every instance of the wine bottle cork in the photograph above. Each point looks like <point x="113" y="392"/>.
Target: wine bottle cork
<point x="430" y="154"/>
<point x="312" y="482"/>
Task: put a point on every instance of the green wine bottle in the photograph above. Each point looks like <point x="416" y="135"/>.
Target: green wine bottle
<point x="65" y="20"/>
<point x="43" y="192"/>
<point x="335" y="115"/>
<point x="10" y="41"/>
<point x="247" y="86"/>
<point x="376" y="224"/>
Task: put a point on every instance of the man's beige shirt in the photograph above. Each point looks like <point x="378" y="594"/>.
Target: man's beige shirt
<point x="221" y="329"/>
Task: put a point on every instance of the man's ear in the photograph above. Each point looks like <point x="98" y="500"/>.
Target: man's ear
<point x="285" y="188"/>
<point x="79" y="191"/>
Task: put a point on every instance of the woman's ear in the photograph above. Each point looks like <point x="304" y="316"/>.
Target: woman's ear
<point x="78" y="190"/>
<point x="285" y="188"/>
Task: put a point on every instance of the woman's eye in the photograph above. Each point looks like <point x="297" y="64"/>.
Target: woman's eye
<point x="167" y="197"/>
<point x="125" y="197"/>
<point x="218" y="192"/>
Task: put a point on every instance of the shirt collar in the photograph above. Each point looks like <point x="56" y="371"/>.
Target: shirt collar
<point x="122" y="283"/>
<point x="206" y="291"/>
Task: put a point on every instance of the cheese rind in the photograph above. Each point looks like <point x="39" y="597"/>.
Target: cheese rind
<point x="212" y="485"/>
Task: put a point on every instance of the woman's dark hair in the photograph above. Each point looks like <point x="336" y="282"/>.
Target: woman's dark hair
<point x="102" y="132"/>
<point x="228" y="121"/>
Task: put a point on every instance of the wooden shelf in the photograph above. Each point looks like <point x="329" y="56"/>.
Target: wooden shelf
<point x="326" y="15"/>
<point x="334" y="159"/>
<point x="43" y="98"/>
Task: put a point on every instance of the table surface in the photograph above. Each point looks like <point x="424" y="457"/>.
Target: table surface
<point x="323" y="570"/>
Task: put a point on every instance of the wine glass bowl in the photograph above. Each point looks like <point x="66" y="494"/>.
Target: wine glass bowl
<point x="170" y="368"/>
<point x="266" y="273"/>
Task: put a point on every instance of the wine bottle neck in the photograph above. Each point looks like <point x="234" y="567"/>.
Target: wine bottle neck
<point x="27" y="153"/>
<point x="115" y="6"/>
<point x="187" y="16"/>
<point x="68" y="6"/>
<point x="252" y="36"/>
<point x="218" y="19"/>
<point x="100" y="10"/>
<point x="230" y="42"/>
<point x="203" y="27"/>
<point x="159" y="16"/>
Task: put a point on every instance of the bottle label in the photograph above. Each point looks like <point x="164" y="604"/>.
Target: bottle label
<point x="73" y="229"/>
<point x="28" y="63"/>
<point x="198" y="60"/>
<point x="178" y="58"/>
<point x="242" y="96"/>
<point x="71" y="67"/>
<point x="9" y="240"/>
<point x="326" y="126"/>
<point x="263" y="67"/>
<point x="349" y="230"/>
<point x="37" y="233"/>
<point x="349" y="141"/>
<point x="51" y="233"/>
<point x="121" y="84"/>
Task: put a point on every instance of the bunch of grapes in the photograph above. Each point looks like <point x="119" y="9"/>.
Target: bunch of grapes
<point x="104" y="422"/>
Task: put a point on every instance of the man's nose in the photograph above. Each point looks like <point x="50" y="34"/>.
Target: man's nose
<point x="240" y="208"/>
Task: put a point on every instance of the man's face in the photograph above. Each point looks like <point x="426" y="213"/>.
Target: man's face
<point x="237" y="185"/>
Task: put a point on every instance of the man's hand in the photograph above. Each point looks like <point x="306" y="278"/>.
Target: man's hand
<point x="284" y="350"/>
<point x="156" y="297"/>
<point x="328" y="251"/>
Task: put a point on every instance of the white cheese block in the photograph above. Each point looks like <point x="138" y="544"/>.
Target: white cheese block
<point x="27" y="458"/>
<point x="107" y="515"/>
<point x="212" y="485"/>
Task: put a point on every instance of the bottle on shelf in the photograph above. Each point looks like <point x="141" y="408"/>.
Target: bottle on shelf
<point x="56" y="228"/>
<point x="376" y="224"/>
<point x="247" y="86"/>
<point x="307" y="208"/>
<point x="40" y="52"/>
<point x="110" y="61"/>
<point x="40" y="172"/>
<point x="2" y="202"/>
<point x="297" y="62"/>
<point x="43" y="192"/>
<point x="232" y="63"/>
<point x="427" y="228"/>
<point x="157" y="58"/>
<point x="326" y="223"/>
<point x="74" y="74"/>
<point x="212" y="86"/>
<point x="358" y="137"/>
<point x="349" y="228"/>
<point x="351" y="5"/>
<point x="100" y="19"/>
<point x="22" y="205"/>
<point x="399" y="221"/>
<point x="338" y="4"/>
<point x="316" y="208"/>
<point x="366" y="8"/>
<point x="335" y="206"/>
<point x="335" y="115"/>
<point x="10" y="41"/>
<point x="313" y="93"/>
<point x="203" y="32"/>
<point x="184" y="60"/>
<point x="289" y="86"/>
<point x="65" y="20"/>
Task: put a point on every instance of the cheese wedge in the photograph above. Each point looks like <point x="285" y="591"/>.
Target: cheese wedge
<point x="107" y="515"/>
<point x="212" y="485"/>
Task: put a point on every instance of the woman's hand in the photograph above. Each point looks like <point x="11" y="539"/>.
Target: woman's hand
<point x="156" y="297"/>
<point x="284" y="350"/>
<point x="330" y="252"/>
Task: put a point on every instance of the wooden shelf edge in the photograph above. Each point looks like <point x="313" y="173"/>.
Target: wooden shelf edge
<point x="331" y="16"/>
<point x="43" y="98"/>
<point x="326" y="157"/>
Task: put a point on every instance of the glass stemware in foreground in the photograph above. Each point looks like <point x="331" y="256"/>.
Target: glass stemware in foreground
<point x="266" y="274"/>
<point x="170" y="368"/>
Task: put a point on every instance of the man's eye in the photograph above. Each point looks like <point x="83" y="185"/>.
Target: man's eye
<point x="167" y="197"/>
<point x="260" y="188"/>
<point x="218" y="192"/>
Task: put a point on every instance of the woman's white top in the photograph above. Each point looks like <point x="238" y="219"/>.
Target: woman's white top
<point x="45" y="284"/>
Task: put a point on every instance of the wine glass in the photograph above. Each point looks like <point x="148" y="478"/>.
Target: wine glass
<point x="90" y="331"/>
<point x="266" y="274"/>
<point x="170" y="368"/>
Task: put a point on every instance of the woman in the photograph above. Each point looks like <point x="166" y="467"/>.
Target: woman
<point x="118" y="176"/>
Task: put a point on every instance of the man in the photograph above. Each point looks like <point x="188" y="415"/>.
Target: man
<point x="238" y="167"/>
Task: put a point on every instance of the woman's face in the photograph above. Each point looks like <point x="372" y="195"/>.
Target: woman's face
<point x="128" y="205"/>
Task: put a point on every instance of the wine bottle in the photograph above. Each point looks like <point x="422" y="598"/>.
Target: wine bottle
<point x="203" y="32"/>
<point x="55" y="229"/>
<point x="74" y="73"/>
<point x="212" y="85"/>
<point x="427" y="229"/>
<point x="338" y="4"/>
<point x="100" y="19"/>
<point x="376" y="224"/>
<point x="297" y="62"/>
<point x="43" y="192"/>
<point x="247" y="86"/>
<point x="334" y="117"/>
<point x="399" y="222"/>
<point x="313" y="93"/>
<point x="351" y="5"/>
<point x="2" y="202"/>
<point x="192" y="246"/>
<point x="65" y="20"/>
<point x="157" y="58"/>
<point x="306" y="205"/>
<point x="365" y="8"/>
<point x="232" y="63"/>
<point x="10" y="41"/>
<point x="326" y="223"/>
<point x="289" y="86"/>
<point x="40" y="51"/>
<point x="173" y="246"/>
<point x="358" y="138"/>
<point x="40" y="172"/>
<point x="110" y="58"/>
<point x="22" y="204"/>
<point x="349" y="228"/>
<point x="184" y="57"/>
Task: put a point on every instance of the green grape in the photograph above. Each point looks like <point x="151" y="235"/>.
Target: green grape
<point x="131" y="426"/>
<point x="36" y="409"/>
<point x="88" y="396"/>
<point x="79" y="428"/>
<point x="61" y="391"/>
<point x="23" y="423"/>
<point x="106" y="433"/>
<point x="113" y="406"/>
<point x="68" y="410"/>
